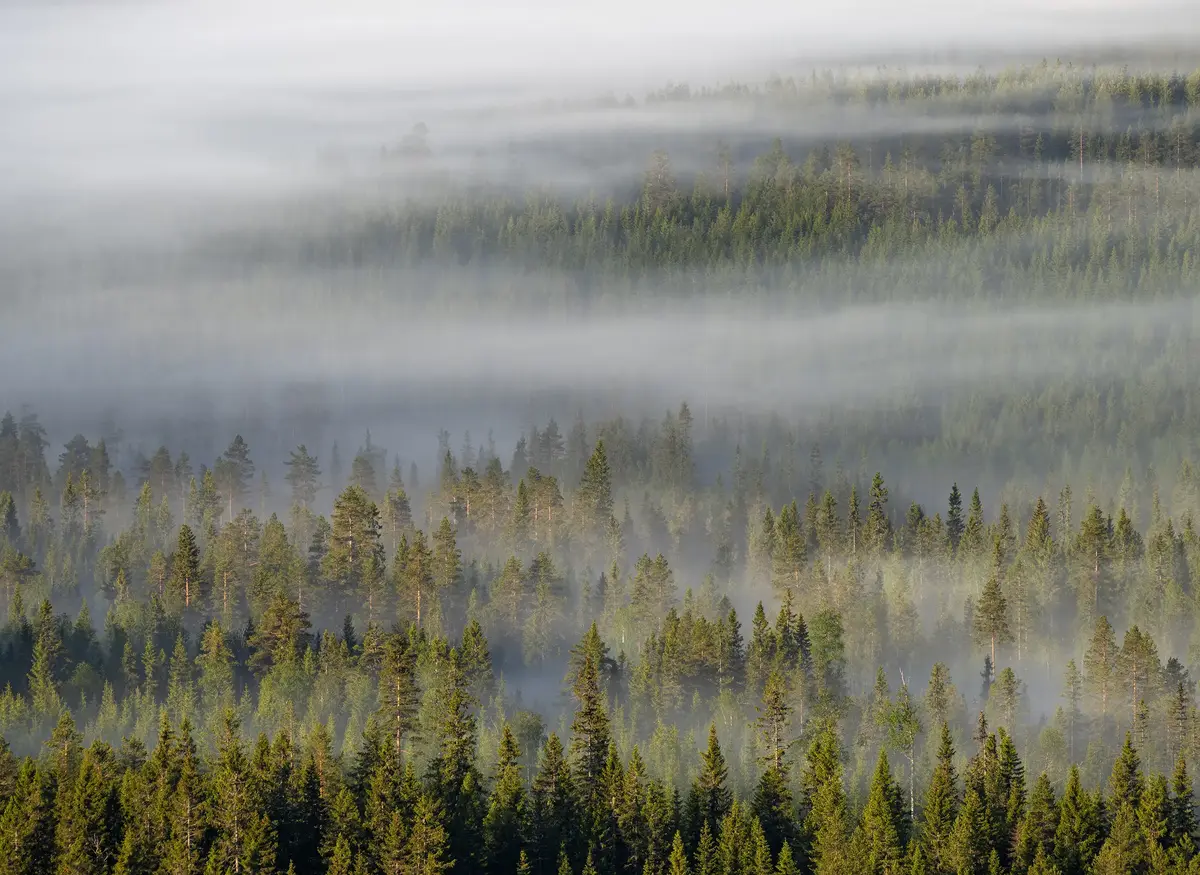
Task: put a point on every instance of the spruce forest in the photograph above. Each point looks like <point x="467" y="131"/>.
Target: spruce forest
<point x="798" y="475"/>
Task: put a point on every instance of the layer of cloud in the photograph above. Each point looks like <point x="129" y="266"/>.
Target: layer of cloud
<point x="189" y="100"/>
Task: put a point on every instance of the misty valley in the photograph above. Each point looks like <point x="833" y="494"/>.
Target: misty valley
<point x="785" y="474"/>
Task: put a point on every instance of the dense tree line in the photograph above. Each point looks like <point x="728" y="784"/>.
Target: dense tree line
<point x="1052" y="180"/>
<point x="398" y="738"/>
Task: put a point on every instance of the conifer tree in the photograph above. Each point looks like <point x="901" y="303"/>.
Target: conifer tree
<point x="1183" y="814"/>
<point x="1073" y="694"/>
<point x="991" y="613"/>
<point x="853" y="521"/>
<point x="969" y="843"/>
<point x="940" y="695"/>
<point x="446" y="565"/>
<point x="1100" y="667"/>
<point x="47" y="656"/>
<point x="134" y="856"/>
<point x="785" y="863"/>
<point x="589" y="864"/>
<point x="877" y="535"/>
<point x="244" y="840"/>
<point x="10" y="528"/>
<point x="552" y="808"/>
<point x="827" y="822"/>
<point x="1005" y="790"/>
<point x="477" y="661"/>
<point x="772" y="806"/>
<point x="828" y="652"/>
<point x="188" y="812"/>
<point x="87" y="829"/>
<point x="661" y="825"/>
<point x="412" y="577"/>
<point x="1080" y="827"/>
<point x="761" y="654"/>
<point x="1138" y="668"/>
<point x="216" y="672"/>
<point x="520" y="526"/>
<point x="1126" y="782"/>
<point x="971" y="544"/>
<point x="589" y="735"/>
<point x="954" y="518"/>
<point x="540" y="635"/>
<point x="233" y="472"/>
<point x="354" y="548"/>
<point x="27" y="823"/>
<point x="884" y="825"/>
<point x="733" y="836"/>
<point x="706" y="852"/>
<point x="390" y="845"/>
<point x="941" y="806"/>
<point x="280" y="636"/>
<point x="506" y="809"/>
<point x="1043" y="865"/>
<point x="594" y="498"/>
<point x="564" y="863"/>
<point x="1035" y="837"/>
<point x="605" y="845"/>
<point x="1091" y="564"/>
<point x="758" y="857"/>
<point x="711" y="798"/>
<point x="1154" y="815"/>
<point x="788" y="550"/>
<point x="363" y="474"/>
<point x="917" y="862"/>
<point x="677" y="864"/>
<point x="452" y="773"/>
<point x="632" y="814"/>
<point x="181" y="694"/>
<point x="303" y="477"/>
<point x="427" y="849"/>
<point x="341" y="862"/>
<point x="1124" y="850"/>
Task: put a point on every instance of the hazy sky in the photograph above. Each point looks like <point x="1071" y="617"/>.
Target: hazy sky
<point x="182" y="96"/>
<point x="154" y="46"/>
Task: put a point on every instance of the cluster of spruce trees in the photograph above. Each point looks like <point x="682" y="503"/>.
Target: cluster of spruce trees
<point x="292" y="804"/>
<point x="409" y="744"/>
<point x="1048" y="181"/>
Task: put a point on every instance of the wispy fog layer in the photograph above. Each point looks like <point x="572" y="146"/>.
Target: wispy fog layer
<point x="187" y="100"/>
<point x="154" y="352"/>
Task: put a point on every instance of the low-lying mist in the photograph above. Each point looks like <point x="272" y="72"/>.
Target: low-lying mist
<point x="156" y="352"/>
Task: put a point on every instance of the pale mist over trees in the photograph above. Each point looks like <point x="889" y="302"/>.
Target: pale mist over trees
<point x="682" y="443"/>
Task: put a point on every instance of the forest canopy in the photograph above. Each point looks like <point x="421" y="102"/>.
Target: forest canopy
<point x="897" y="574"/>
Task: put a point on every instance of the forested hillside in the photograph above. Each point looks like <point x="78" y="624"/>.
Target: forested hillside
<point x="918" y="592"/>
